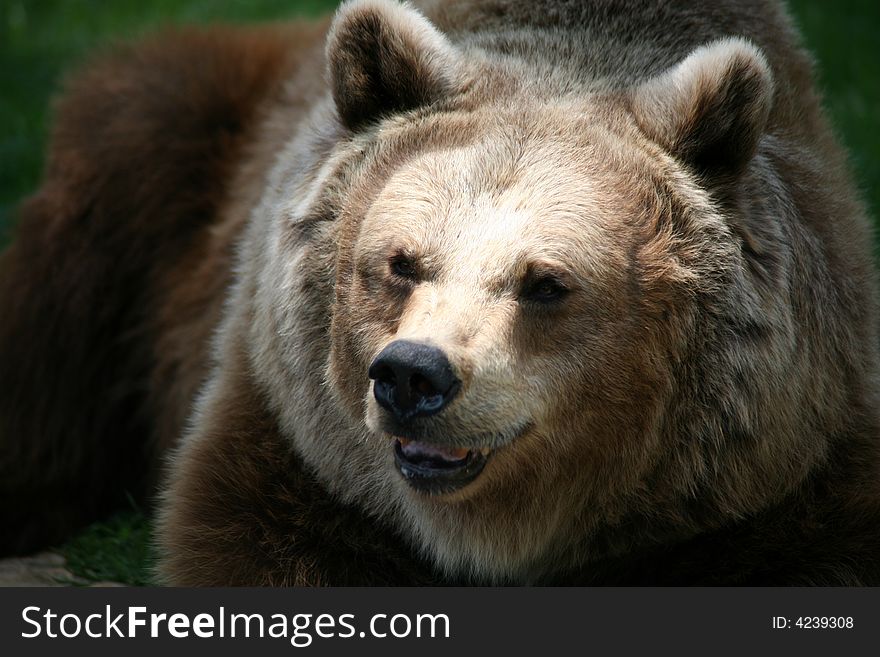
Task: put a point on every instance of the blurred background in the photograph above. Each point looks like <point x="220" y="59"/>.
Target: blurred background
<point x="41" y="39"/>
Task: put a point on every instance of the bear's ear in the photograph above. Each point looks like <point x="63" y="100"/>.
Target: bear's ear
<point x="385" y="57"/>
<point x="711" y="109"/>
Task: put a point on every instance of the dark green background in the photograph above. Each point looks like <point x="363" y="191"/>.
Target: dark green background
<point x="41" y="39"/>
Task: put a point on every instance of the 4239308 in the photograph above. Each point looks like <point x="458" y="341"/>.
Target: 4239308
<point x="814" y="623"/>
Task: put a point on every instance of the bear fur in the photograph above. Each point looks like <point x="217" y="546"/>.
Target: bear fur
<point x="625" y="225"/>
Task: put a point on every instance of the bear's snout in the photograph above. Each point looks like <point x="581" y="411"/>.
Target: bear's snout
<point x="413" y="379"/>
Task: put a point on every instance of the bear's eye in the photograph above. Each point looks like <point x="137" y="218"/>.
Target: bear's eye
<point x="546" y="289"/>
<point x="403" y="267"/>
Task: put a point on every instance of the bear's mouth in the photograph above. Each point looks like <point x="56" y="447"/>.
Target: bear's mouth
<point x="434" y="469"/>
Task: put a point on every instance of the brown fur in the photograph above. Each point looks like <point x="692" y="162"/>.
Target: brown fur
<point x="96" y="381"/>
<point x="269" y="522"/>
<point x="701" y="408"/>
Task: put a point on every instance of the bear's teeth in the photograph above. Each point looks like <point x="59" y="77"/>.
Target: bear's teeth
<point x="413" y="449"/>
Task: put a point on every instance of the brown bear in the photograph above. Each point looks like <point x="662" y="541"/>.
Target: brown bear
<point x="548" y="292"/>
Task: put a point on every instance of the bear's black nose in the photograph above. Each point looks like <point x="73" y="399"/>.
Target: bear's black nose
<point x="413" y="380"/>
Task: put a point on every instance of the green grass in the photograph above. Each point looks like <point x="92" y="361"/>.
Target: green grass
<point x="115" y="550"/>
<point x="41" y="39"/>
<point x="844" y="37"/>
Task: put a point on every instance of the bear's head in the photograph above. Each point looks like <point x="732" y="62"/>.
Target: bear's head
<point x="558" y="324"/>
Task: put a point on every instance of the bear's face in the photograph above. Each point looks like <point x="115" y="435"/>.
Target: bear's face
<point x="489" y="253"/>
<point x="526" y="260"/>
<point x="529" y="302"/>
<point x="513" y="259"/>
